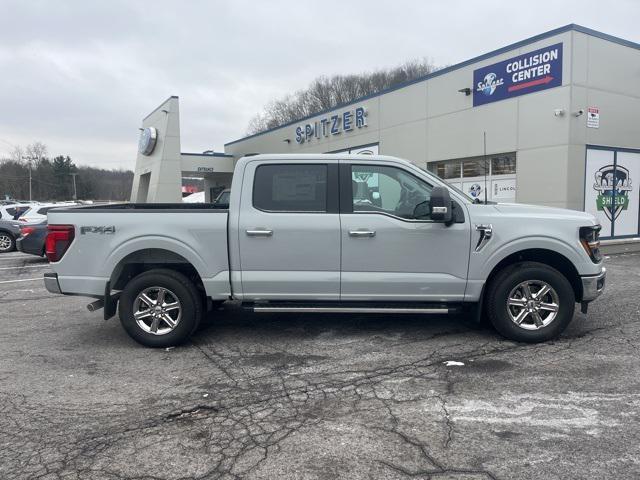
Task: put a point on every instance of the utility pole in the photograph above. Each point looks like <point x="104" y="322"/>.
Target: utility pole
<point x="29" y="160"/>
<point x="75" y="192"/>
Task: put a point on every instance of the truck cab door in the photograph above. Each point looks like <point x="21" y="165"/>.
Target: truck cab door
<point x="387" y="253"/>
<point x="289" y="231"/>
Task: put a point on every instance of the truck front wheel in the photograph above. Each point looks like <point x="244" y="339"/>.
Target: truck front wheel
<point x="160" y="308"/>
<point x="530" y="302"/>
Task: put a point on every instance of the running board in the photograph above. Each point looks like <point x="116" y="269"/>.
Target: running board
<point x="295" y="309"/>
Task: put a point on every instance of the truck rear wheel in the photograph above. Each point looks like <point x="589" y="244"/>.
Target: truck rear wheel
<point x="530" y="302"/>
<point x="160" y="308"/>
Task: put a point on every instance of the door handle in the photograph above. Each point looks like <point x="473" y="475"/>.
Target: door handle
<point x="260" y="232"/>
<point x="362" y="233"/>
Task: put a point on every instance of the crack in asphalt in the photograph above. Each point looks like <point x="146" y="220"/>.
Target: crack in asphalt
<point x="239" y="426"/>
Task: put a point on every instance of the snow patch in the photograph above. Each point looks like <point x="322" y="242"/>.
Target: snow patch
<point x="453" y="363"/>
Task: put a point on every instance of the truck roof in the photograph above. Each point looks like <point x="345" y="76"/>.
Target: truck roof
<point x="296" y="157"/>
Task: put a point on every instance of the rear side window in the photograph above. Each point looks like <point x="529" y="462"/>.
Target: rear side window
<point x="43" y="211"/>
<point x="290" y="188"/>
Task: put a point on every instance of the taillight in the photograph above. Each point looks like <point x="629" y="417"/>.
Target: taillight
<point x="59" y="237"/>
<point x="24" y="231"/>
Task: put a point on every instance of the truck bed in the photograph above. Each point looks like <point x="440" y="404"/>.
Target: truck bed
<point x="106" y="238"/>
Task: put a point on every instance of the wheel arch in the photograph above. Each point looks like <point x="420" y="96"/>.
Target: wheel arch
<point x="541" y="255"/>
<point x="146" y="259"/>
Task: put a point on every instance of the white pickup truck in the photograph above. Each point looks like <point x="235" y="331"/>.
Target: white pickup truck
<point x="328" y="233"/>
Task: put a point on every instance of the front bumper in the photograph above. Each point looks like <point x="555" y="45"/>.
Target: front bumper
<point x="51" y="282"/>
<point x="593" y="285"/>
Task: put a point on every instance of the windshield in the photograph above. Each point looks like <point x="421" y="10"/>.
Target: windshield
<point x="455" y="189"/>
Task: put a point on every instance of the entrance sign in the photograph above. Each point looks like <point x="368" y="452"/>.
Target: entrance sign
<point x="527" y="73"/>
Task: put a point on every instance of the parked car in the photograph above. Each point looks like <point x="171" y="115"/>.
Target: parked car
<point x="38" y="213"/>
<point x="305" y="233"/>
<point x="9" y="232"/>
<point x="13" y="211"/>
<point x="197" y="197"/>
<point x="32" y="238"/>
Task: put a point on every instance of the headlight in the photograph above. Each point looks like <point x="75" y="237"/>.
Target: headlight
<point x="590" y="240"/>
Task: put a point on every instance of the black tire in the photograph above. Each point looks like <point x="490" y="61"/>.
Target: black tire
<point x="7" y="242"/>
<point x="507" y="280"/>
<point x="177" y="285"/>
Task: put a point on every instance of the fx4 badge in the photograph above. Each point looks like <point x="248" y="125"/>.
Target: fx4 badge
<point x="99" y="230"/>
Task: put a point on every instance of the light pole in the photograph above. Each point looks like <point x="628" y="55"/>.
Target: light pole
<point x="75" y="192"/>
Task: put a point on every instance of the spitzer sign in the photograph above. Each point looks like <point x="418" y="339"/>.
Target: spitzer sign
<point x="527" y="73"/>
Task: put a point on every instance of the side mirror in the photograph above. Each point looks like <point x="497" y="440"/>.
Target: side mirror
<point x="441" y="208"/>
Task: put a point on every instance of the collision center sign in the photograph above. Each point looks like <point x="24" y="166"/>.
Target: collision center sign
<point x="528" y="73"/>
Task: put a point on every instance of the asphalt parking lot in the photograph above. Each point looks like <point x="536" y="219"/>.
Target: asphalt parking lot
<point x="316" y="396"/>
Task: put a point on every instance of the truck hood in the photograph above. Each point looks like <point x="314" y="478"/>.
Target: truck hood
<point x="523" y="210"/>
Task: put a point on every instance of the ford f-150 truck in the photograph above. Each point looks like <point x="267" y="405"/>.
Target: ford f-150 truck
<point x="328" y="233"/>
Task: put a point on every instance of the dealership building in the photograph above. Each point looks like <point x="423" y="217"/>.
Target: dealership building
<point x="551" y="120"/>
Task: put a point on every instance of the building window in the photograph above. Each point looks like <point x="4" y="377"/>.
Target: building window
<point x="493" y="173"/>
<point x="497" y="164"/>
<point x="290" y="188"/>
<point x="446" y="170"/>
<point x="503" y="164"/>
<point x="475" y="167"/>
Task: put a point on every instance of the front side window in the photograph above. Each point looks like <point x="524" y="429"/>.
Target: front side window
<point x="224" y="197"/>
<point x="290" y="188"/>
<point x="389" y="190"/>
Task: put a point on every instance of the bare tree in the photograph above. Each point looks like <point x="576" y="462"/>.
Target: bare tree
<point x="16" y="154"/>
<point x="37" y="151"/>
<point x="325" y="93"/>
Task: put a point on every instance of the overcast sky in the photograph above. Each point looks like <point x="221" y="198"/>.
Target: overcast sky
<point x="80" y="75"/>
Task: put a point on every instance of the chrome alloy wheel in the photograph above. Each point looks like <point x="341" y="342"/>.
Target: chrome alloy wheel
<point x="157" y="310"/>
<point x="5" y="242"/>
<point x="533" y="304"/>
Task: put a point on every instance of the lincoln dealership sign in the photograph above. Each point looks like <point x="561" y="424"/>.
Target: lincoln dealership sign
<point x="528" y="73"/>
<point x="332" y="125"/>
